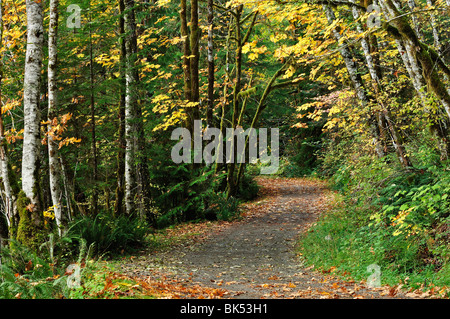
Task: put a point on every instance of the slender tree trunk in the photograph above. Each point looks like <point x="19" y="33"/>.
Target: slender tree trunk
<point x="32" y="82"/>
<point x="186" y="52"/>
<point x="130" y="108"/>
<point x="120" y="189"/>
<point x="54" y="165"/>
<point x="231" y="162"/>
<point x="136" y="167"/>
<point x="219" y="156"/>
<point x="396" y="138"/>
<point x="259" y="109"/>
<point x="415" y="72"/>
<point x="412" y="6"/>
<point x="210" y="107"/>
<point x="356" y="79"/>
<point x="94" y="199"/>
<point x="8" y="197"/>
<point x="241" y="40"/>
<point x="69" y="190"/>
<point x="436" y="36"/>
<point x="195" y="58"/>
<point x="423" y="55"/>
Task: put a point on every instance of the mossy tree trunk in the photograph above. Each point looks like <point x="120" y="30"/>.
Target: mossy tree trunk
<point x="29" y="233"/>
<point x="240" y="40"/>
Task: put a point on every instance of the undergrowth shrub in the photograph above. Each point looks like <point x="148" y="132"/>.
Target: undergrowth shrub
<point x="26" y="274"/>
<point x="110" y="234"/>
<point x="387" y="215"/>
<point x="203" y="197"/>
<point x="224" y="208"/>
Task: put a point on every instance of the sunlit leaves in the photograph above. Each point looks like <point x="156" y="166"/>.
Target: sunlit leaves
<point x="56" y="128"/>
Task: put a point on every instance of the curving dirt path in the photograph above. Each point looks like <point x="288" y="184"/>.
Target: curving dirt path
<point x="254" y="257"/>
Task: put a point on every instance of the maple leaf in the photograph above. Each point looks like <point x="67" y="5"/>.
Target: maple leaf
<point x="30" y="207"/>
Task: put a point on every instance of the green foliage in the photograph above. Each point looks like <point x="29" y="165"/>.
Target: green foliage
<point x="25" y="274"/>
<point x="386" y="215"/>
<point x="224" y="208"/>
<point x="248" y="188"/>
<point x="108" y="234"/>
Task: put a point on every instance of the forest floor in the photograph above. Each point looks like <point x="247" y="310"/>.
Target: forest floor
<point x="252" y="257"/>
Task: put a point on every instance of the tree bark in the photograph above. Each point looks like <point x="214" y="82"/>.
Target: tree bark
<point x="356" y="80"/>
<point x="438" y="126"/>
<point x="436" y="36"/>
<point x="54" y="165"/>
<point x="32" y="82"/>
<point x="241" y="40"/>
<point x="130" y="108"/>
<point x="94" y="199"/>
<point x="120" y="189"/>
<point x="210" y="106"/>
<point x="424" y="56"/>
<point x="186" y="50"/>
<point x="195" y="56"/>
<point x="8" y="197"/>
<point x="137" y="188"/>
<point x="383" y="115"/>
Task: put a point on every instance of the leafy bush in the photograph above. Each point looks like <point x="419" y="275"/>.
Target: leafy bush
<point x="396" y="218"/>
<point x="110" y="234"/>
<point x="248" y="189"/>
<point x="24" y="274"/>
<point x="224" y="208"/>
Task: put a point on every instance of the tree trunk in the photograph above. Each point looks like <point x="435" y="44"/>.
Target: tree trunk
<point x="356" y="80"/>
<point x="383" y="115"/>
<point x="32" y="82"/>
<point x="412" y="6"/>
<point x="423" y="55"/>
<point x="406" y="51"/>
<point x="232" y="174"/>
<point x="195" y="58"/>
<point x="29" y="205"/>
<point x="219" y="156"/>
<point x="231" y="162"/>
<point x="8" y="197"/>
<point x="120" y="189"/>
<point x="54" y="165"/>
<point x="210" y="107"/>
<point x="136" y="167"/>
<point x="436" y="36"/>
<point x="186" y="64"/>
<point x="130" y="108"/>
<point x="94" y="199"/>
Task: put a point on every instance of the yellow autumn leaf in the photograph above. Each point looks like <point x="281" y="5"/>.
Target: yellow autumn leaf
<point x="253" y="56"/>
<point x="246" y="48"/>
<point x="289" y="72"/>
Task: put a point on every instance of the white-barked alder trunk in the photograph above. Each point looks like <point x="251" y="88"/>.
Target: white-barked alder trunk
<point x="31" y="95"/>
<point x="55" y="176"/>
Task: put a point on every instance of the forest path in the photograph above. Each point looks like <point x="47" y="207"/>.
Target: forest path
<point x="254" y="257"/>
